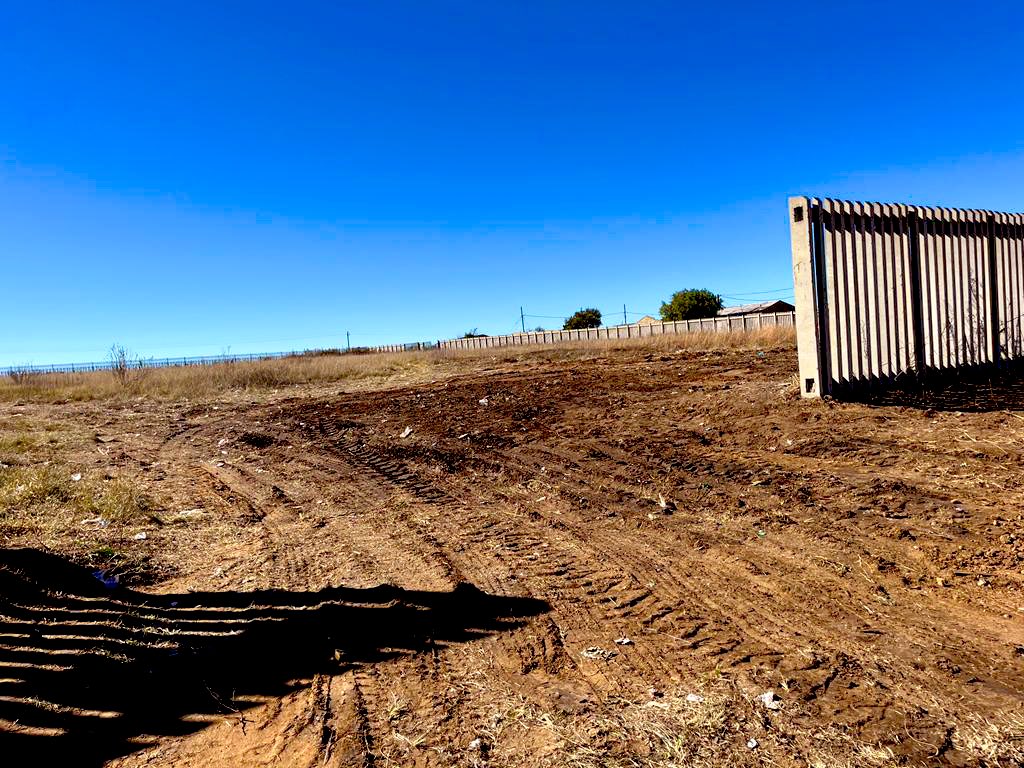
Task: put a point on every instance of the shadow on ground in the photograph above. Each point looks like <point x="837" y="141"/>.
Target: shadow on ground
<point x="87" y="671"/>
<point x="968" y="391"/>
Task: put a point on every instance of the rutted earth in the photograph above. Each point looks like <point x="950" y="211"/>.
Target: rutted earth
<point x="864" y="563"/>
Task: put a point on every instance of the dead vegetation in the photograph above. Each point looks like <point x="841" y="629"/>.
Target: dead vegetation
<point x="48" y="502"/>
<point x="128" y="377"/>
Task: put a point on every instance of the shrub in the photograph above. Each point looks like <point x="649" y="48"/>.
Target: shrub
<point x="584" y="318"/>
<point x="691" y="304"/>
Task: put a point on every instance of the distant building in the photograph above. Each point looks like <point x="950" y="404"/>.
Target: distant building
<point x="761" y="308"/>
<point x="647" y="320"/>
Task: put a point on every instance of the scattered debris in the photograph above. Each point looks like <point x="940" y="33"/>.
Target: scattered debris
<point x="476" y="743"/>
<point x="76" y="477"/>
<point x="406" y="432"/>
<point x="658" y="704"/>
<point x="190" y="514"/>
<point x="594" y="652"/>
<point x="752" y="744"/>
<point x="108" y="580"/>
<point x="102" y="522"/>
<point x="483" y="401"/>
<point x="694" y="698"/>
<point x="623" y="641"/>
<point x="141" y="536"/>
<point x="770" y="700"/>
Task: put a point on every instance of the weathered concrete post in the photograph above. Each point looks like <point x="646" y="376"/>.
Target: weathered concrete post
<point x="812" y="383"/>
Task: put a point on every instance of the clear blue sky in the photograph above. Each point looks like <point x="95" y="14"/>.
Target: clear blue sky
<point x="183" y="178"/>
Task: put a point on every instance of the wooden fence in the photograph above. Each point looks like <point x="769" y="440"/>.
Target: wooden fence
<point x="632" y="331"/>
<point x="890" y="291"/>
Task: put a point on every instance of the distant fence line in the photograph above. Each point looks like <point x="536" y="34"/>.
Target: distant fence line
<point x="750" y="322"/>
<point x="153" y="362"/>
<point x="631" y="331"/>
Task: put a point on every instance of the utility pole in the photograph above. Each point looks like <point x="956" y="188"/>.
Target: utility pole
<point x="348" y="342"/>
<point x="624" y="320"/>
<point x="522" y="319"/>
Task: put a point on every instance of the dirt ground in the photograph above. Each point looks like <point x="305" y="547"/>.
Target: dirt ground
<point x="626" y="558"/>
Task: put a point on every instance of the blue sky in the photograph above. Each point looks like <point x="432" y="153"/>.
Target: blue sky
<point x="188" y="178"/>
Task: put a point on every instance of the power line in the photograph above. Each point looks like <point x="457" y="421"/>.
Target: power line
<point x="762" y="293"/>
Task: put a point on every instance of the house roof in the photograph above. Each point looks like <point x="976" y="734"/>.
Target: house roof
<point x="758" y="308"/>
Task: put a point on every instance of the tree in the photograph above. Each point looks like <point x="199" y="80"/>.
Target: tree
<point x="691" y="304"/>
<point x="473" y="334"/>
<point x="585" y="318"/>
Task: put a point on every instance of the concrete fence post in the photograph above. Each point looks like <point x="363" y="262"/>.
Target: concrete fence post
<point x="812" y="383"/>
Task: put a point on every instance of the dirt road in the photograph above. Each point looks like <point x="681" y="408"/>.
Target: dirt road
<point x="570" y="547"/>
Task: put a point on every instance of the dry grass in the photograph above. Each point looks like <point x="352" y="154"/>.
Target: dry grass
<point x="194" y="382"/>
<point x="47" y="502"/>
<point x="722" y="727"/>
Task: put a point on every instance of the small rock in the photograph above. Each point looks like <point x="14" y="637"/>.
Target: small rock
<point x="140" y="536"/>
<point x="483" y="401"/>
<point x="770" y="700"/>
<point x="623" y="641"/>
<point x="752" y="744"/>
<point x="694" y="698"/>
<point x="593" y="652"/>
<point x="76" y="477"/>
<point x="406" y="432"/>
<point x="476" y="743"/>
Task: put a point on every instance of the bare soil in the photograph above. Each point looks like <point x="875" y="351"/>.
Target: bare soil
<point x="316" y="589"/>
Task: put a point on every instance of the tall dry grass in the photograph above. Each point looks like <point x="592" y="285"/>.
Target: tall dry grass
<point x="193" y="382"/>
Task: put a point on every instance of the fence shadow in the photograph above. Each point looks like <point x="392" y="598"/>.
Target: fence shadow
<point x="978" y="390"/>
<point x="85" y="670"/>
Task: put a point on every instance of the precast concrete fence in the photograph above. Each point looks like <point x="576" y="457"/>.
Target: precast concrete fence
<point x="886" y="292"/>
<point x="632" y="331"/>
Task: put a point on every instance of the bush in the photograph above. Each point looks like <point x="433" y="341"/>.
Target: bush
<point x="691" y="304"/>
<point x="585" y="318"/>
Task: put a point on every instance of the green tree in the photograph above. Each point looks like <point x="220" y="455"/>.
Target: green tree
<point x="691" y="304"/>
<point x="585" y="318"/>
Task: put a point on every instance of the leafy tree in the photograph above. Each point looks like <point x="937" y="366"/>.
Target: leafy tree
<point x="585" y="318"/>
<point x="691" y="304"/>
<point x="473" y="334"/>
